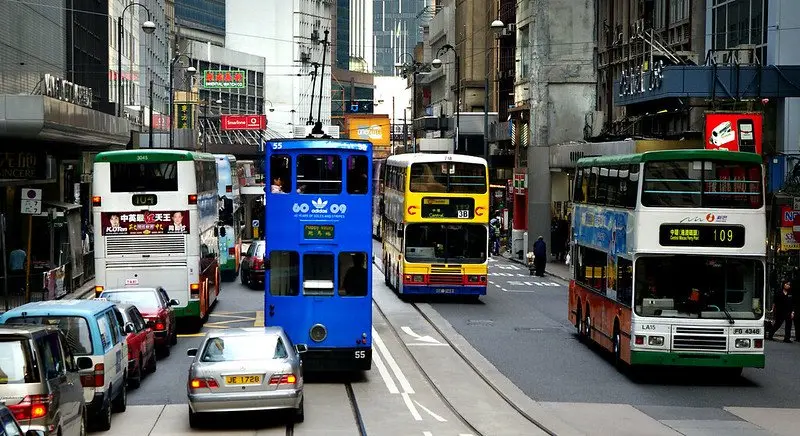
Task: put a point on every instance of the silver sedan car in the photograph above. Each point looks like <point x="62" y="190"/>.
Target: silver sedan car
<point x="245" y="369"/>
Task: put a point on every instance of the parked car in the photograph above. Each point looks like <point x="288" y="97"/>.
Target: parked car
<point x="10" y="427"/>
<point x="141" y="345"/>
<point x="252" y="269"/>
<point x="245" y="369"/>
<point x="154" y="305"/>
<point x="39" y="380"/>
<point x="95" y="334"/>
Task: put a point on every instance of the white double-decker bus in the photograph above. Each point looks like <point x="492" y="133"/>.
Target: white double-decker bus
<point x="155" y="224"/>
<point x="669" y="258"/>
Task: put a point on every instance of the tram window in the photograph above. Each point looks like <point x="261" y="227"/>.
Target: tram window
<point x="284" y="273"/>
<point x="357" y="180"/>
<point x="280" y="173"/>
<point x="319" y="174"/>
<point x="318" y="274"/>
<point x="352" y="274"/>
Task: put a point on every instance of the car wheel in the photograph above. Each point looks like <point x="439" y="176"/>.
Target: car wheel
<point x="299" y="413"/>
<point x="82" y="424"/>
<point x="243" y="277"/>
<point x="165" y="350"/>
<point x="194" y="419"/>
<point x="120" y="404"/>
<point x="103" y="422"/>
<point x="173" y="340"/>
<point x="136" y="381"/>
<point x="153" y="362"/>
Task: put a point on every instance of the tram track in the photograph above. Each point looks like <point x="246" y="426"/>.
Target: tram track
<point x="351" y="398"/>
<point x="464" y="358"/>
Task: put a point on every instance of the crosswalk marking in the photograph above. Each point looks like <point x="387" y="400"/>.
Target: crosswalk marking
<point x="520" y="283"/>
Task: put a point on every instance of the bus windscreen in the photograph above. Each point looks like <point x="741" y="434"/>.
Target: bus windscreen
<point x="451" y="177"/>
<point x="144" y="177"/>
<point x="702" y="184"/>
<point x="445" y="243"/>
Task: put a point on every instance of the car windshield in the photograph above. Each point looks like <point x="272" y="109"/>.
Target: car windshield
<point x="16" y="364"/>
<point x="685" y="286"/>
<point x="75" y="328"/>
<point x="145" y="301"/>
<point x="233" y="348"/>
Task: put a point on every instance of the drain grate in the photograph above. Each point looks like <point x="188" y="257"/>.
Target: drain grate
<point x="480" y="322"/>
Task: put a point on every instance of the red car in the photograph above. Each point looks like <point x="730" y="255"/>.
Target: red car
<point x="252" y="269"/>
<point x="141" y="344"/>
<point x="155" y="306"/>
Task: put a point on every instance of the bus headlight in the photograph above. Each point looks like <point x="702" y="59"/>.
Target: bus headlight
<point x="742" y="343"/>
<point x="656" y="341"/>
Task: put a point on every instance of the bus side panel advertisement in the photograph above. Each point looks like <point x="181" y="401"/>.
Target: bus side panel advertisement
<point x="734" y="131"/>
<point x="145" y="222"/>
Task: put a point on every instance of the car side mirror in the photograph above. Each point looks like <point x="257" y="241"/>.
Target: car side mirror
<point x="129" y="328"/>
<point x="301" y="348"/>
<point x="174" y="302"/>
<point x="191" y="352"/>
<point x="85" y="363"/>
<point x="151" y="324"/>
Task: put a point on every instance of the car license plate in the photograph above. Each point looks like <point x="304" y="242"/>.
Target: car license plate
<point x="129" y="282"/>
<point x="242" y="379"/>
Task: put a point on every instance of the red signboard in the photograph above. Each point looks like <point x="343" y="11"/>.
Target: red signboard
<point x="796" y="227"/>
<point x="734" y="131"/>
<point x="243" y="122"/>
<point x="145" y="222"/>
<point x="787" y="216"/>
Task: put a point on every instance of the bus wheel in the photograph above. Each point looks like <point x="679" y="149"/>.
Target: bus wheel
<point x="579" y="322"/>
<point x="617" y="348"/>
<point x="587" y="325"/>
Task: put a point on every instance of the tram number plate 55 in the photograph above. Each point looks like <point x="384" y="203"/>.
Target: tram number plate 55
<point x="360" y="354"/>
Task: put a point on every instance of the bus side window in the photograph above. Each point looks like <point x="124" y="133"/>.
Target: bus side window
<point x="577" y="192"/>
<point x="353" y="277"/>
<point x="318" y="272"/>
<point x="624" y="281"/>
<point x="284" y="274"/>
<point x="357" y="181"/>
<point x="319" y="174"/>
<point x="280" y="173"/>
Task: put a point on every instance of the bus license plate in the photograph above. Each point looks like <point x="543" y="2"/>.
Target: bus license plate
<point x="445" y="291"/>
<point x="243" y="380"/>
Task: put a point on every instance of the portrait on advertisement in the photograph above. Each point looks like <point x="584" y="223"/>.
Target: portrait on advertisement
<point x="177" y="225"/>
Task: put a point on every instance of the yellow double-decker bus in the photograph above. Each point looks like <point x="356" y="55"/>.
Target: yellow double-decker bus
<point x="435" y="224"/>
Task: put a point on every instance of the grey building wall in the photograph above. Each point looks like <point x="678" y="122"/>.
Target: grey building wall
<point x="154" y="57"/>
<point x="783" y="32"/>
<point x="396" y="29"/>
<point x="32" y="43"/>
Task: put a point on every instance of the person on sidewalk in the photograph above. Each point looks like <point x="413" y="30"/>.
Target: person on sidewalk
<point x="539" y="256"/>
<point x="783" y="311"/>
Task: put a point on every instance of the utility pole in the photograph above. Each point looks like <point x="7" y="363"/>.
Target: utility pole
<point x="150" y="133"/>
<point x="325" y="44"/>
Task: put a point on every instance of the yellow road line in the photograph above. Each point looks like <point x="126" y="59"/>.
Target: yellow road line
<point x="191" y="335"/>
<point x="245" y="318"/>
<point x="259" y="322"/>
<point x="230" y="321"/>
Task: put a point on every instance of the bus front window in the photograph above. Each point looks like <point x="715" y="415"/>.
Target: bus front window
<point x="442" y="243"/>
<point x="706" y="287"/>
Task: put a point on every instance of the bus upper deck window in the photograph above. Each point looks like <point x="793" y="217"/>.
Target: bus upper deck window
<point x="357" y="180"/>
<point x="280" y="172"/>
<point x="319" y="174"/>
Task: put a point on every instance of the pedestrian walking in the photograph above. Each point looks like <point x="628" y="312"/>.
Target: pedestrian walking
<point x="783" y="311"/>
<point x="539" y="256"/>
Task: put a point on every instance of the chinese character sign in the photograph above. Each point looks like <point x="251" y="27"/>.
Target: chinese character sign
<point x="184" y="113"/>
<point x="145" y="222"/>
<point x="226" y="79"/>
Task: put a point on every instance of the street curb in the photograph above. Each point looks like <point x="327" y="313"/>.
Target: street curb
<point x="526" y="265"/>
<point x="530" y="408"/>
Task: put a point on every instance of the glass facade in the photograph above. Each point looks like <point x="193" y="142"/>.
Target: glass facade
<point x="343" y="34"/>
<point x="396" y="29"/>
<point x="740" y="22"/>
<point x="208" y="15"/>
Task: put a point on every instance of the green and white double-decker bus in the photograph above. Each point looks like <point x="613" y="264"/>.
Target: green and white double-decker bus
<point x="155" y="224"/>
<point x="230" y="217"/>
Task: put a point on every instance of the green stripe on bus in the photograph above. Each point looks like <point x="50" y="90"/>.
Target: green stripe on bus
<point x="192" y="309"/>
<point x="229" y="265"/>
<point x="669" y="155"/>
<point x="733" y="360"/>
<point x="154" y="156"/>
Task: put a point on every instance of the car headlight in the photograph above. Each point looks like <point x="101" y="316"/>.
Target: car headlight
<point x="742" y="343"/>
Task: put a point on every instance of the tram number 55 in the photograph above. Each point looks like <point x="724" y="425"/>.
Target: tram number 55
<point x="360" y="354"/>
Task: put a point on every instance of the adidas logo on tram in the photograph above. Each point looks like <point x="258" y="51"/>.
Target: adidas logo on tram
<point x="319" y="206"/>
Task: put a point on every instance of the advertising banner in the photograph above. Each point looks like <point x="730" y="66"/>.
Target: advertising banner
<point x="373" y="129"/>
<point x="787" y="216"/>
<point x="734" y="131"/>
<point x="243" y="122"/>
<point x="788" y="241"/>
<point x="227" y="79"/>
<point x="145" y="222"/>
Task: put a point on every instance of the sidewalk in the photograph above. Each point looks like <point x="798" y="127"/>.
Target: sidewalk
<point x="82" y="292"/>
<point x="553" y="268"/>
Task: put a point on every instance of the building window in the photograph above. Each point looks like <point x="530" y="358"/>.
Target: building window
<point x="740" y="22"/>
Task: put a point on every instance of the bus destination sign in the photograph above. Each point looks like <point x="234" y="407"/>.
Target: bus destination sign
<point x="437" y="207"/>
<point x="701" y="235"/>
<point x="318" y="231"/>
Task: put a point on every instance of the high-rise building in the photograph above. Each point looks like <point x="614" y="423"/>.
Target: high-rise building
<point x="204" y="15"/>
<point x="397" y="30"/>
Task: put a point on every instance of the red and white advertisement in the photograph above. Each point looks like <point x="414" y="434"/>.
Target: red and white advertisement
<point x="145" y="222"/>
<point x="243" y="122"/>
<point x="734" y="131"/>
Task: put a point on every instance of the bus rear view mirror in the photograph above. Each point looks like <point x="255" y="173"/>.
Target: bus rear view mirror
<point x="400" y="233"/>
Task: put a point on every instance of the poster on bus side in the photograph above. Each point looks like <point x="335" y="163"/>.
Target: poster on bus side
<point x="145" y="222"/>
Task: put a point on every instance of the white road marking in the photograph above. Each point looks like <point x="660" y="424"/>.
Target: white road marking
<point x="387" y="378"/>
<point x="425" y="338"/>
<point x="435" y="416"/>
<point x="427" y="433"/>
<point x="392" y="363"/>
<point x="425" y="344"/>
<point x="410" y="405"/>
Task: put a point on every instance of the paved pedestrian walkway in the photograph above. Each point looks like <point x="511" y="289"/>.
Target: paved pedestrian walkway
<point x="553" y="268"/>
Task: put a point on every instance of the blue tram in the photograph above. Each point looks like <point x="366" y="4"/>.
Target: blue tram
<point x="319" y="249"/>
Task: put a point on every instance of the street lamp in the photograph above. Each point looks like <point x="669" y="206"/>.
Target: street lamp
<point x="191" y="71"/>
<point x="271" y="108"/>
<point x="148" y="27"/>
<point x="437" y="63"/>
<point x="414" y="68"/>
<point x="496" y="26"/>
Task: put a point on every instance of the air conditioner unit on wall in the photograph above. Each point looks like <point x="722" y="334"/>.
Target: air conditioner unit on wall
<point x="512" y="27"/>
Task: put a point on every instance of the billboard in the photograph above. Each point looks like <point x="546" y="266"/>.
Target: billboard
<point x="144" y="222"/>
<point x="243" y="122"/>
<point x="227" y="79"/>
<point x="375" y="129"/>
<point x="733" y="131"/>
